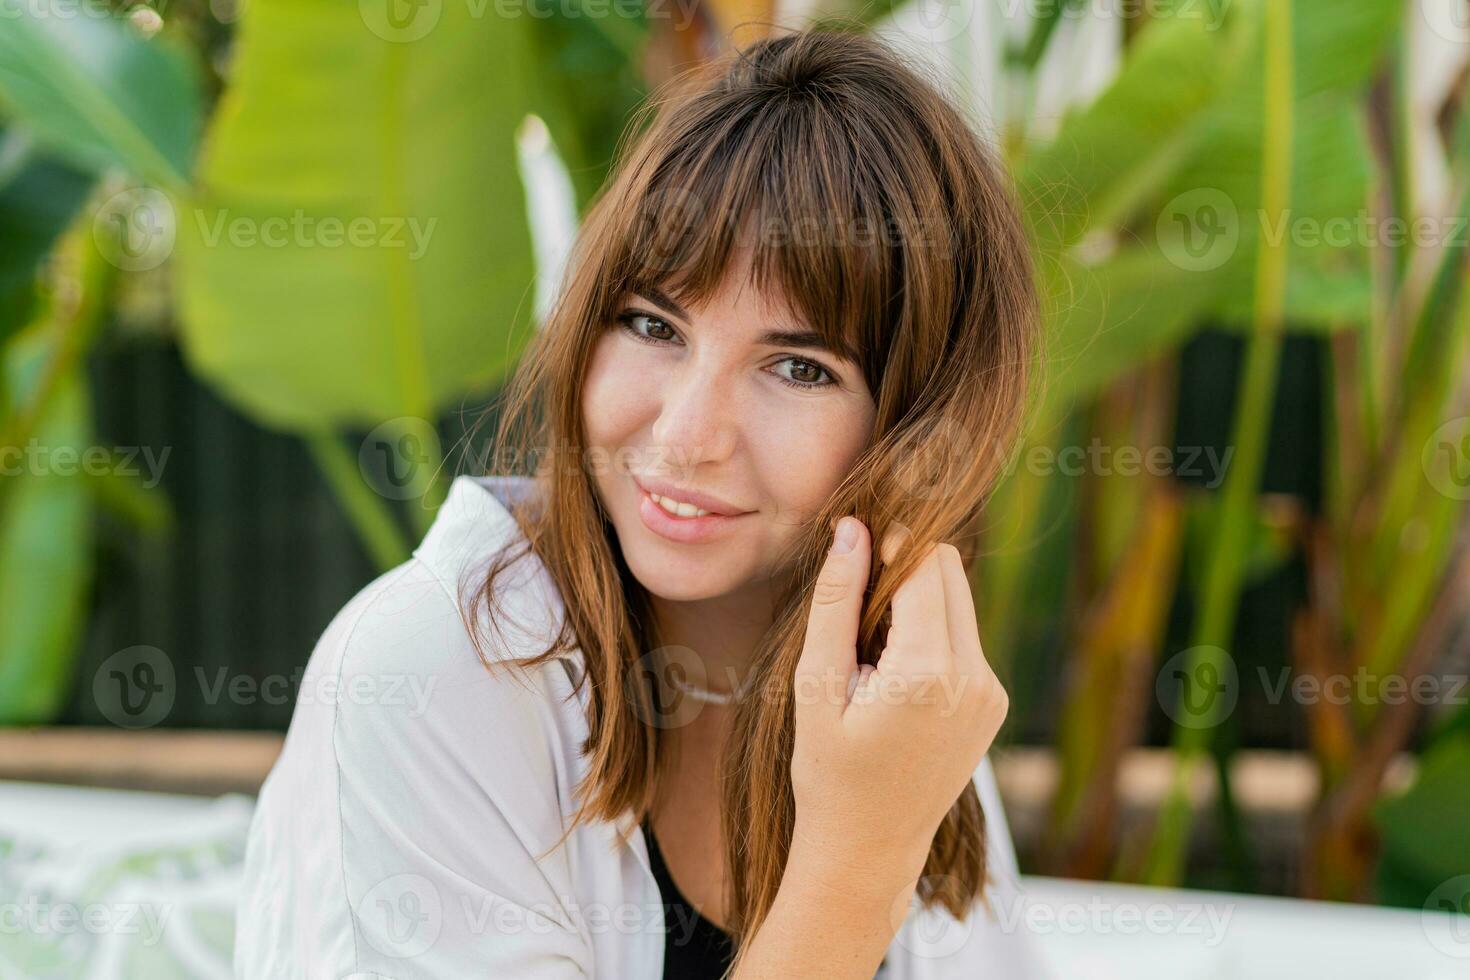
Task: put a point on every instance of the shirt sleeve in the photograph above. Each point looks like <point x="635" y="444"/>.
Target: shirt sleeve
<point x="401" y="833"/>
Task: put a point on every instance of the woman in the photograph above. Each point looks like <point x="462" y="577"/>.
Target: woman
<point x="654" y="710"/>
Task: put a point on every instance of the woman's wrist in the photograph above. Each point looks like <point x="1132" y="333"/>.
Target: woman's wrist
<point x="855" y="874"/>
<point x="831" y="917"/>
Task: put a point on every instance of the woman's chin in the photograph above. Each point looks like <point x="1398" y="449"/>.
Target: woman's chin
<point x="682" y="578"/>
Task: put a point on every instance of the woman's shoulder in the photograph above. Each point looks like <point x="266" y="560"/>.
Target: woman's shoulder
<point x="425" y="632"/>
<point x="412" y="764"/>
<point x="429" y="612"/>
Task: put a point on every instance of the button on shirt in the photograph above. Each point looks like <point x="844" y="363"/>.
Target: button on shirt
<point x="407" y="828"/>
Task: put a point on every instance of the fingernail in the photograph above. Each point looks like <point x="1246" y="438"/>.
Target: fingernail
<point x="846" y="537"/>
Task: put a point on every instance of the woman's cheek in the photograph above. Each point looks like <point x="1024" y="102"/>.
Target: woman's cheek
<point x="609" y="402"/>
<point x="805" y="452"/>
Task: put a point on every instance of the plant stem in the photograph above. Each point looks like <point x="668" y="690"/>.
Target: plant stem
<point x="369" y="513"/>
<point x="1214" y="622"/>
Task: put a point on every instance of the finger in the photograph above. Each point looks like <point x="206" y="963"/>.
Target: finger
<point x="857" y="684"/>
<point x="964" y="629"/>
<point x="919" y="620"/>
<point x="829" y="651"/>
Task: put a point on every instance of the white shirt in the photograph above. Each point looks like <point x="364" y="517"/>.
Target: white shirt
<point x="397" y="835"/>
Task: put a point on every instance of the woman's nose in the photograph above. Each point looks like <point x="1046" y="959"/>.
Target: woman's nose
<point x="697" y="417"/>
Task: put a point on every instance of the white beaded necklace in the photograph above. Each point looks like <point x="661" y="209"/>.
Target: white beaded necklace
<point x="705" y="694"/>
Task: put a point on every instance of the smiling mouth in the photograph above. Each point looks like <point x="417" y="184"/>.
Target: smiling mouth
<point x="676" y="509"/>
<point x="683" y="523"/>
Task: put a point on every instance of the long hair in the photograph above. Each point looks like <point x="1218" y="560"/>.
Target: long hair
<point x="870" y="202"/>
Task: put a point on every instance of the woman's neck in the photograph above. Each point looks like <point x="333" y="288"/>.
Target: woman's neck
<point x="723" y="633"/>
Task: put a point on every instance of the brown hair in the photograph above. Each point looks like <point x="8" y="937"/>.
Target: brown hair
<point x="871" y="204"/>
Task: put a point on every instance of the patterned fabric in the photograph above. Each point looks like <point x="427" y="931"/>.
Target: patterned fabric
<point x="156" y="904"/>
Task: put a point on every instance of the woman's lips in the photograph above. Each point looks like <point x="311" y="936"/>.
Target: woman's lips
<point x="685" y="530"/>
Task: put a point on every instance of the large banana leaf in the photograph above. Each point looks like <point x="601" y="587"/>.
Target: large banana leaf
<point x="339" y="119"/>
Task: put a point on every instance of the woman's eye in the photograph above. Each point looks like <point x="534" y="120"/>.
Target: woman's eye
<point x="649" y="329"/>
<point x="805" y="374"/>
<point x="635" y="323"/>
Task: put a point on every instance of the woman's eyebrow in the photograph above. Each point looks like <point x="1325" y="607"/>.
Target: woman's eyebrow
<point x="804" y="339"/>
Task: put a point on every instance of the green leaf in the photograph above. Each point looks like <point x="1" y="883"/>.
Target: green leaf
<point x="1110" y="318"/>
<point x="1423" y="828"/>
<point x="1128" y="140"/>
<point x="358" y="248"/>
<point x="37" y="198"/>
<point x="97" y="93"/>
<point x="1335" y="50"/>
<point x="45" y="547"/>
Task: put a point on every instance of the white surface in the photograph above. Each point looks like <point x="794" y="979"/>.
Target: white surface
<point x="1087" y="930"/>
<point x="1097" y="931"/>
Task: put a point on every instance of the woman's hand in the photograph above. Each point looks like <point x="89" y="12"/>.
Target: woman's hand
<point x="883" y="752"/>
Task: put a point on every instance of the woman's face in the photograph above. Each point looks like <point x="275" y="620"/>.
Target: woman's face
<point x="714" y="402"/>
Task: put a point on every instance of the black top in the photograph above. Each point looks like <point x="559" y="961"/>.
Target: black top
<point x="694" y="947"/>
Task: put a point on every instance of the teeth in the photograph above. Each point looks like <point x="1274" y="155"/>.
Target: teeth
<point x="677" y="509"/>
